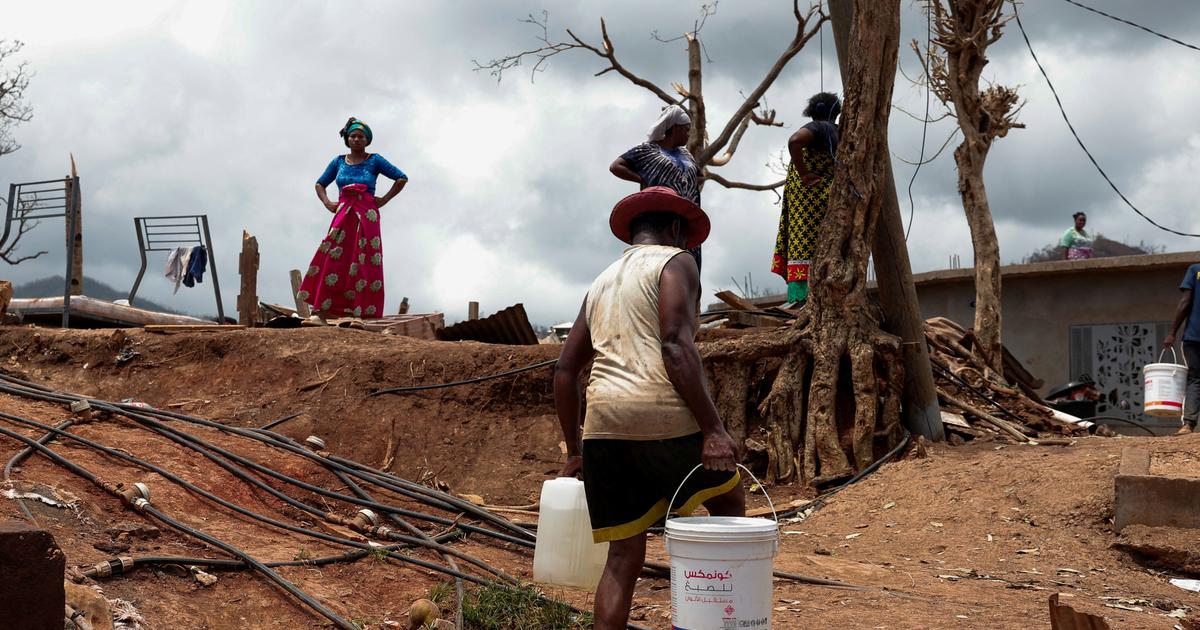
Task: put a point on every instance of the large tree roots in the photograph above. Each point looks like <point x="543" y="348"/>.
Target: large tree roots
<point x="807" y="404"/>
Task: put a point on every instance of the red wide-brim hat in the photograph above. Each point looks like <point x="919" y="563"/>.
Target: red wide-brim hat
<point x="659" y="199"/>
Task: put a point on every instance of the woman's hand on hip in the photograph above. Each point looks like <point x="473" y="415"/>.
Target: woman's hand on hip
<point x="810" y="179"/>
<point x="331" y="206"/>
<point x="381" y="201"/>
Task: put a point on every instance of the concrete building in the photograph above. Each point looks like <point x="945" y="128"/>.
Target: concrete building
<point x="1104" y="318"/>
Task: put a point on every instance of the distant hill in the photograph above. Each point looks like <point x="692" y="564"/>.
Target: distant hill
<point x="53" y="286"/>
<point x="1102" y="247"/>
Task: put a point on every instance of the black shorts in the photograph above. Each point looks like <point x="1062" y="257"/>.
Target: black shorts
<point x="629" y="482"/>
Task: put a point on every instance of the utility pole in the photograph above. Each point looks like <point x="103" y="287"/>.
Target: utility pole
<point x="893" y="273"/>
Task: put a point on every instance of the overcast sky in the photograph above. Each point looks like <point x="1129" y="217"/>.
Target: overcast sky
<point x="232" y="110"/>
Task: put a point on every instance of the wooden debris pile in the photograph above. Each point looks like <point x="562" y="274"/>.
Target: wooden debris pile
<point x="978" y="402"/>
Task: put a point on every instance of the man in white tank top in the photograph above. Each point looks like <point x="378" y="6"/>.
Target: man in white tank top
<point x="650" y="425"/>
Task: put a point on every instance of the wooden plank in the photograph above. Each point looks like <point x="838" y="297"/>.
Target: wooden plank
<point x="301" y="306"/>
<point x="1064" y="617"/>
<point x="173" y="328"/>
<point x="742" y="318"/>
<point x="84" y="306"/>
<point x="423" y="327"/>
<point x="735" y="301"/>
<point x="247" y="301"/>
<point x="75" y="241"/>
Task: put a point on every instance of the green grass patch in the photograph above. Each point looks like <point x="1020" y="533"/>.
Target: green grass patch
<point x="491" y="608"/>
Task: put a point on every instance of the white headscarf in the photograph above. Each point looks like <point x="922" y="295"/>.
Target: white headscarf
<point x="671" y="116"/>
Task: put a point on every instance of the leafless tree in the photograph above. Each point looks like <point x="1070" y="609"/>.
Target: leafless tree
<point x="13" y="111"/>
<point x="962" y="30"/>
<point x="13" y="83"/>
<point x="709" y="153"/>
<point x="8" y="249"/>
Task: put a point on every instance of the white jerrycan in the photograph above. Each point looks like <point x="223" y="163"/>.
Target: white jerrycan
<point x="565" y="554"/>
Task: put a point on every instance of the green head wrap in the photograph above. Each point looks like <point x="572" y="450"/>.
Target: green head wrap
<point x="355" y="124"/>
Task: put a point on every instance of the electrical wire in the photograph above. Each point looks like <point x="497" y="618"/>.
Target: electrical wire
<point x="1079" y="140"/>
<point x="470" y="381"/>
<point x="912" y="205"/>
<point x="1134" y="24"/>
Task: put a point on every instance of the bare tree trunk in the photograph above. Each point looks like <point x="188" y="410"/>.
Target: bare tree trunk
<point x="987" y="253"/>
<point x="843" y="331"/>
<point x="695" y="99"/>
<point x="963" y="31"/>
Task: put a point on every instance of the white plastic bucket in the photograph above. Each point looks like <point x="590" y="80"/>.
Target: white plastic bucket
<point x="721" y="570"/>
<point x="1165" y="387"/>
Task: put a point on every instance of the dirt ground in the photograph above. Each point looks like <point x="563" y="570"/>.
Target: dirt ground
<point x="975" y="536"/>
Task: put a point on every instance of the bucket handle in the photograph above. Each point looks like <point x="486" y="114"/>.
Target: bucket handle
<point x="1174" y="357"/>
<point x="697" y="467"/>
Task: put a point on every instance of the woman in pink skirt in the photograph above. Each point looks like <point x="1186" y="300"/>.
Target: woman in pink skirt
<point x="345" y="278"/>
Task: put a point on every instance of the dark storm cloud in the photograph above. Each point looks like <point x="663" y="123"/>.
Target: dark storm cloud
<point x="510" y="194"/>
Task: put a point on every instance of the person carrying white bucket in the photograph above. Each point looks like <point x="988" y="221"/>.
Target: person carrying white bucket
<point x="1191" y="345"/>
<point x="649" y="418"/>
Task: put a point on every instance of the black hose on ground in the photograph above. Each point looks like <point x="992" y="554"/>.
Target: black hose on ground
<point x="141" y="415"/>
<point x="274" y="423"/>
<point x="20" y="457"/>
<point x="54" y="396"/>
<point x="821" y="500"/>
<point x="1125" y="420"/>
<point x="412" y="529"/>
<point x="241" y="510"/>
<point x="470" y="381"/>
<point x="143" y="505"/>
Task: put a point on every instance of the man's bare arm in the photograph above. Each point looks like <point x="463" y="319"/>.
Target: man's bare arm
<point x="576" y="353"/>
<point x="679" y="288"/>
<point x="1182" y="311"/>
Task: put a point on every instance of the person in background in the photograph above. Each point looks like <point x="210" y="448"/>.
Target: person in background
<point x="813" y="149"/>
<point x="345" y="278"/>
<point x="663" y="159"/>
<point x="651" y="427"/>
<point x="1077" y="243"/>
<point x="1187" y="314"/>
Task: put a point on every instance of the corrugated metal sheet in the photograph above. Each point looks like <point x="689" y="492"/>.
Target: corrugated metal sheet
<point x="510" y="326"/>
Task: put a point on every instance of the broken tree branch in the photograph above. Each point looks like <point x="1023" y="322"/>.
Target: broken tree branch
<point x="751" y="101"/>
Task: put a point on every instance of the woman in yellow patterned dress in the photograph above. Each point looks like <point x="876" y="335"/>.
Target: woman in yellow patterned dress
<point x="805" y="193"/>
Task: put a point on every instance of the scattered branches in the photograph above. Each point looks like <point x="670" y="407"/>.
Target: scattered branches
<point x="707" y="154"/>
<point x="606" y="51"/>
<point x="13" y="83"/>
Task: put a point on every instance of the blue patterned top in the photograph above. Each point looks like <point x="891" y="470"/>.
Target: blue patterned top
<point x="364" y="172"/>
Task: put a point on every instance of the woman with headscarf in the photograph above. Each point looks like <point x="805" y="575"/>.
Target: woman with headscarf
<point x="1076" y="240"/>
<point x="805" y="192"/>
<point x="663" y="159"/>
<point x="345" y="278"/>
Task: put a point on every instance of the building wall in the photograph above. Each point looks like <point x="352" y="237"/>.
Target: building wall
<point x="1042" y="301"/>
